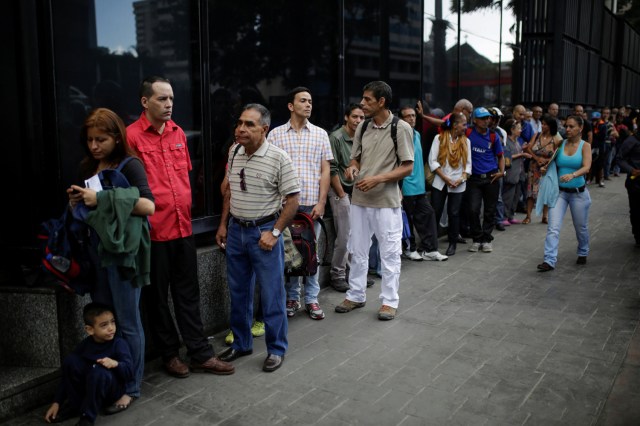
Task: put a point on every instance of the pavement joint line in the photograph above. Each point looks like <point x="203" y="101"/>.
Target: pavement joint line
<point x="390" y="376"/>
<point x="411" y="399"/>
<point x="315" y="356"/>
<point x="301" y="396"/>
<point x="340" y="404"/>
<point x="558" y="327"/>
<point x="526" y="397"/>
<point x="383" y="396"/>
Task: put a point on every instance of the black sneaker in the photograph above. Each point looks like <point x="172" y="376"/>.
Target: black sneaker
<point x="582" y="260"/>
<point x="340" y="285"/>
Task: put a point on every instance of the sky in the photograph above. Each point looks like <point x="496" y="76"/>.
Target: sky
<point x="116" y="27"/>
<point x="480" y="29"/>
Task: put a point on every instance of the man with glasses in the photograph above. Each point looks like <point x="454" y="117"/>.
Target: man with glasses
<point x="259" y="176"/>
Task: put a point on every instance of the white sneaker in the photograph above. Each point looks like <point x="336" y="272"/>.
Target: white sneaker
<point x="487" y="247"/>
<point x="475" y="247"/>
<point x="412" y="255"/>
<point x="434" y="255"/>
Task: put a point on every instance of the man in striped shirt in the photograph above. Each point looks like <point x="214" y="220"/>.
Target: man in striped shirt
<point x="310" y="150"/>
<point x="259" y="176"/>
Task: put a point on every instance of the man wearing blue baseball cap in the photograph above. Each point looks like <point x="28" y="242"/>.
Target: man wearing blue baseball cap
<point x="487" y="168"/>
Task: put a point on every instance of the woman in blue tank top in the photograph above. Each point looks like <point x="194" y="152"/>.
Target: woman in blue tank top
<point x="573" y="162"/>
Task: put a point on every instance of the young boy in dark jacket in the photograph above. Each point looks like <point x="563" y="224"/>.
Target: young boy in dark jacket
<point x="95" y="373"/>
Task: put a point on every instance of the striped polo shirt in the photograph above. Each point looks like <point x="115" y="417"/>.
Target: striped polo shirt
<point x="269" y="176"/>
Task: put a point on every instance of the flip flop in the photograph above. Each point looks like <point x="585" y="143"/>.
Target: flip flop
<point x="526" y="220"/>
<point x="118" y="408"/>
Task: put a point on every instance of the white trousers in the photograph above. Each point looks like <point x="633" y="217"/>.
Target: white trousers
<point x="386" y="224"/>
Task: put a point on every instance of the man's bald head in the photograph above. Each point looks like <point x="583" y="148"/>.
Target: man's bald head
<point x="463" y="106"/>
<point x="519" y="112"/>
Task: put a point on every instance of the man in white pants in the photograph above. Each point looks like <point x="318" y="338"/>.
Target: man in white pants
<point x="377" y="164"/>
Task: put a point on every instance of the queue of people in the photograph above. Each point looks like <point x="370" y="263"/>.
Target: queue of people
<point x="374" y="168"/>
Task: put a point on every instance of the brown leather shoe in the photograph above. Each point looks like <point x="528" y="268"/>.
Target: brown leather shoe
<point x="214" y="366"/>
<point x="176" y="368"/>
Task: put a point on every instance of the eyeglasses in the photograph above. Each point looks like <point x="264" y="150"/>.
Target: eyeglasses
<point x="243" y="183"/>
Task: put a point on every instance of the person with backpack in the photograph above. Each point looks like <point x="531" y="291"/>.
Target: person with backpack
<point x="378" y="162"/>
<point x="104" y="139"/>
<point x="260" y="175"/>
<point x="487" y="167"/>
<point x="309" y="148"/>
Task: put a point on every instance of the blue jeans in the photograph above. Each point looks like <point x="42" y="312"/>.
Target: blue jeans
<point x="579" y="204"/>
<point x="246" y="262"/>
<point x="374" y="257"/>
<point x="311" y="284"/>
<point x="111" y="290"/>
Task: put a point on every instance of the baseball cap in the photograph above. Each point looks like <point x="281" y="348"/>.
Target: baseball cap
<point x="595" y="114"/>
<point x="481" y="112"/>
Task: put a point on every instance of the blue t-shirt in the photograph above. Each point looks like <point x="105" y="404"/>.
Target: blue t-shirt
<point x="484" y="152"/>
<point x="568" y="164"/>
<point x="527" y="132"/>
<point x="414" y="183"/>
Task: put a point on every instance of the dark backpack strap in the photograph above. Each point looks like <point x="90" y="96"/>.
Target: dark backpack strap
<point x="394" y="134"/>
<point x="364" y="128"/>
<point x="492" y="134"/>
<point x="235" y="151"/>
<point x="123" y="163"/>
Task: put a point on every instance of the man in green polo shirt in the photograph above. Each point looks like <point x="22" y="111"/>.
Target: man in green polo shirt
<point x="340" y="191"/>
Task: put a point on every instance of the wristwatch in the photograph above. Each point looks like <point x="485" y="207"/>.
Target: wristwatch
<point x="275" y="232"/>
<point x="504" y="173"/>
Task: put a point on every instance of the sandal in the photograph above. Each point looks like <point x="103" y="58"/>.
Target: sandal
<point x="526" y="220"/>
<point x="116" y="408"/>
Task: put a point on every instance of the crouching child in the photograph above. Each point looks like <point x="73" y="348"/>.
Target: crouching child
<point x="95" y="373"/>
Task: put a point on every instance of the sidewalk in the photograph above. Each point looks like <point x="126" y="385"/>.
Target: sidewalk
<point x="482" y="339"/>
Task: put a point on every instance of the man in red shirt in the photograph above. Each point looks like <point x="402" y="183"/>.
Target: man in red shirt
<point x="162" y="146"/>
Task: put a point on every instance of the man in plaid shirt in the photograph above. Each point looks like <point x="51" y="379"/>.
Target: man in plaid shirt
<point x="309" y="148"/>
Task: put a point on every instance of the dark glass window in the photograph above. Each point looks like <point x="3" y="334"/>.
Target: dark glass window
<point x="258" y="51"/>
<point x="103" y="48"/>
<point x="382" y="42"/>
